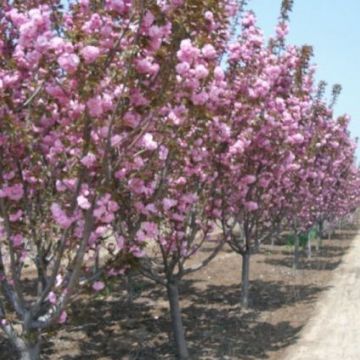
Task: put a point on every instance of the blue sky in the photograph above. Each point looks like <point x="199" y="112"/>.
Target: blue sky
<point x="333" y="29"/>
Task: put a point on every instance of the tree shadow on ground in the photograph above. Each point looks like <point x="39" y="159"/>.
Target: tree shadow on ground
<point x="216" y="326"/>
<point x="308" y="264"/>
<point x="342" y="235"/>
<point x="264" y="295"/>
<point x="329" y="251"/>
<point x="7" y="351"/>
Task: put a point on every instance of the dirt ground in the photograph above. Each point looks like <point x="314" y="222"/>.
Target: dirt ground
<point x="333" y="333"/>
<point x="282" y="301"/>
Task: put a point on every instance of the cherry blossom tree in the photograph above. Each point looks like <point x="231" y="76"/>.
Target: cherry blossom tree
<point x="130" y="129"/>
<point x="70" y="104"/>
<point x="281" y="144"/>
<point x="262" y="137"/>
<point x="104" y="148"/>
<point x="168" y="198"/>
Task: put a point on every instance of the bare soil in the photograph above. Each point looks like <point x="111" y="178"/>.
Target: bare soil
<point x="282" y="301"/>
<point x="333" y="333"/>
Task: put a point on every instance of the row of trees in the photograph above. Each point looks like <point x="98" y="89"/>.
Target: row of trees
<point x="131" y="130"/>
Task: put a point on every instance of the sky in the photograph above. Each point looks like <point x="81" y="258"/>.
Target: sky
<point x="333" y="29"/>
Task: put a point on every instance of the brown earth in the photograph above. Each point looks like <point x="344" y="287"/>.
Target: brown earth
<point x="333" y="333"/>
<point x="282" y="301"/>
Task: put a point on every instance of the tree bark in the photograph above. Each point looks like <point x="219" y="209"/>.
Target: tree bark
<point x="176" y="320"/>
<point x="29" y="349"/>
<point x="30" y="353"/>
<point x="130" y="288"/>
<point x="309" y="246"/>
<point x="320" y="235"/>
<point x="245" y="279"/>
<point x="296" y="252"/>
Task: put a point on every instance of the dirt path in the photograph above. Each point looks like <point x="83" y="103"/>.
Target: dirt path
<point x="334" y="332"/>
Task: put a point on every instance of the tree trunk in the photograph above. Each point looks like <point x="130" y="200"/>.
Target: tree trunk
<point x="296" y="252"/>
<point x="319" y="243"/>
<point x="321" y="228"/>
<point x="176" y="320"/>
<point x="320" y="235"/>
<point x="130" y="288"/>
<point x="245" y="279"/>
<point x="309" y="246"/>
<point x="30" y="353"/>
<point x="29" y="350"/>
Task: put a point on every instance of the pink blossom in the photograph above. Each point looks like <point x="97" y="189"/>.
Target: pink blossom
<point x="95" y="107"/>
<point x="147" y="66"/>
<point x="113" y="206"/>
<point x="57" y="43"/>
<point x="98" y="286"/>
<point x="137" y="185"/>
<point x="83" y="202"/>
<point x="150" y="228"/>
<point x="163" y="152"/>
<point x="17" y="240"/>
<point x="264" y="182"/>
<point x="219" y="73"/>
<point x="107" y="102"/>
<point x="187" y="52"/>
<point x="209" y="15"/>
<point x="297" y="138"/>
<point x="200" y="98"/>
<point x="120" y="241"/>
<point x="151" y="208"/>
<point x="209" y="51"/>
<point x="141" y="236"/>
<point x="182" y="68"/>
<point x="107" y="218"/>
<point x="69" y="62"/>
<point x="116" y="140"/>
<point x="15" y="216"/>
<point x="201" y="72"/>
<point x="174" y="118"/>
<point x="137" y="251"/>
<point x="15" y="192"/>
<point x="90" y="54"/>
<point x="249" y="179"/>
<point x="55" y="91"/>
<point x="282" y="30"/>
<point x="52" y="298"/>
<point x="148" y="19"/>
<point x="238" y="147"/>
<point x="84" y="3"/>
<point x="148" y="142"/>
<point x="169" y="203"/>
<point x="178" y="217"/>
<point x="88" y="160"/>
<point x="62" y="317"/>
<point x="59" y="280"/>
<point x="251" y="205"/>
<point x="120" y="6"/>
<point x="60" y="216"/>
<point x="120" y="174"/>
<point x="249" y="19"/>
<point x="131" y="119"/>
